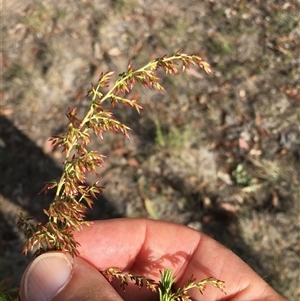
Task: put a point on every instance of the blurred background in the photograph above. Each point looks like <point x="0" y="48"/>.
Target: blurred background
<point x="219" y="153"/>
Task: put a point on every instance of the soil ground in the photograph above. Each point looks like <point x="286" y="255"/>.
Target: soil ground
<point x="219" y="152"/>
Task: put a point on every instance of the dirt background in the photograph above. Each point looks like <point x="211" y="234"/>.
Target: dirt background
<point x="218" y="153"/>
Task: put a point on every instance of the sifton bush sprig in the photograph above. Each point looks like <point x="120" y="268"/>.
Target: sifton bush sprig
<point x="73" y="196"/>
<point x="166" y="286"/>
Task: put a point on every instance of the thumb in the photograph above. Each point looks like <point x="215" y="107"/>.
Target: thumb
<point x="57" y="276"/>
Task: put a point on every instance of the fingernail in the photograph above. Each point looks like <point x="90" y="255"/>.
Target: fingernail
<point x="47" y="275"/>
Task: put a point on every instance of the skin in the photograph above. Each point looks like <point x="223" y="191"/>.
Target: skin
<point x="144" y="247"/>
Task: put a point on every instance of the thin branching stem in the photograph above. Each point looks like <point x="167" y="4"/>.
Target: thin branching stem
<point x="73" y="196"/>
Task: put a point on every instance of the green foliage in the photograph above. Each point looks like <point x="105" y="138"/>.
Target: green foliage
<point x="37" y="18"/>
<point x="174" y="138"/>
<point x="5" y="293"/>
<point x="5" y="297"/>
<point x="221" y="45"/>
<point x="241" y="176"/>
<point x="284" y="21"/>
<point x="166" y="287"/>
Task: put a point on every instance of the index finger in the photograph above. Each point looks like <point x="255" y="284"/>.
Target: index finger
<point x="146" y="247"/>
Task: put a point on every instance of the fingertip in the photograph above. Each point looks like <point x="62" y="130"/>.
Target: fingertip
<point x="56" y="276"/>
<point x="46" y="276"/>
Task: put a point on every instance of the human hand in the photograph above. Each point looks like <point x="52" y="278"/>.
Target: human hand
<point x="142" y="247"/>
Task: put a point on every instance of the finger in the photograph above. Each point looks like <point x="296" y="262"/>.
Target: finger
<point x="145" y="247"/>
<point x="59" y="277"/>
